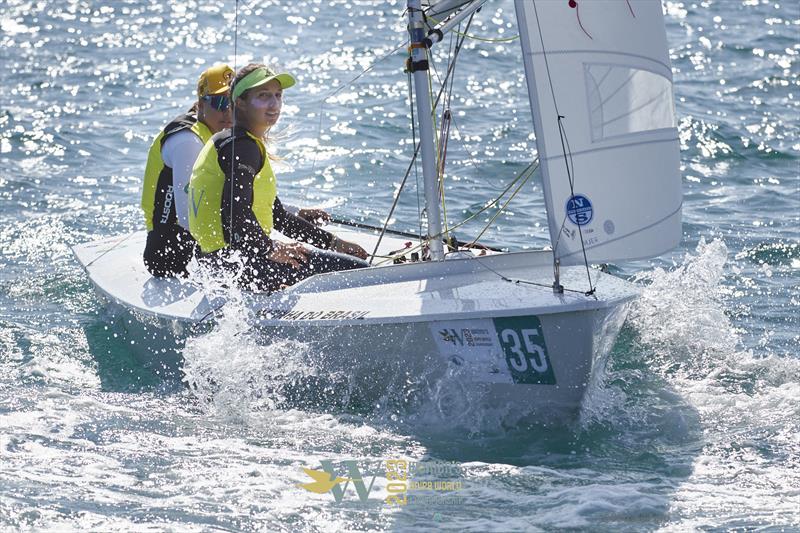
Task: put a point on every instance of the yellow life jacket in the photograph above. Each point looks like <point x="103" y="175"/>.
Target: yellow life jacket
<point x="158" y="192"/>
<point x="206" y="189"/>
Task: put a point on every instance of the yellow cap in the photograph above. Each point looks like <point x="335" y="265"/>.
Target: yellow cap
<point x="214" y="80"/>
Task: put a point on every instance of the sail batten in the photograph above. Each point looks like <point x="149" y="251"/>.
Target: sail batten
<point x="600" y="87"/>
<point x="560" y="157"/>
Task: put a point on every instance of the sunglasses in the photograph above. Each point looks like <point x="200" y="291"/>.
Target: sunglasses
<point x="220" y="102"/>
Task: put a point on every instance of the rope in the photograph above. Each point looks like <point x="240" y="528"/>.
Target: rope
<point x="519" y="187"/>
<point x="361" y="225"/>
<point x="570" y="174"/>
<point x="494" y="202"/>
<point x="416" y="167"/>
<point x="529" y="170"/>
<point x="443" y="137"/>
<point x="528" y="282"/>
<point x="446" y="115"/>
<point x="231" y="233"/>
<point x="441" y="148"/>
<point x="448" y="74"/>
<point x="414" y="141"/>
<point x="416" y="150"/>
<point x="408" y="171"/>
<point x="113" y="247"/>
<point x="565" y="149"/>
<point x="474" y="37"/>
<point x="451" y="9"/>
<point x="396" y="199"/>
<point x="487" y="40"/>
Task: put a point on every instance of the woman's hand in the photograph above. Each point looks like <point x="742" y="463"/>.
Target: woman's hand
<point x="315" y="216"/>
<point x="349" y="248"/>
<point x="294" y="254"/>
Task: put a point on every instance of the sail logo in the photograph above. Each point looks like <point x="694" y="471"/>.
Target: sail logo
<point x="579" y="210"/>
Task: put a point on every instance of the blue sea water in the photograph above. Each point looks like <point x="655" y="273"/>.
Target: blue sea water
<point x="696" y="426"/>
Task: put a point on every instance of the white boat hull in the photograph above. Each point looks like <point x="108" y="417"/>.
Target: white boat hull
<point x="458" y="335"/>
<point x="461" y="365"/>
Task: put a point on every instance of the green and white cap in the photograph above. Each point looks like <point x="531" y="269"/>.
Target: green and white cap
<point x="259" y="77"/>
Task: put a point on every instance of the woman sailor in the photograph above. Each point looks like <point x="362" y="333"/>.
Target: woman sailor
<point x="234" y="203"/>
<point x="170" y="246"/>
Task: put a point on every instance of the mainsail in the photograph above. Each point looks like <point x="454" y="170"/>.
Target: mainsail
<point x="600" y="86"/>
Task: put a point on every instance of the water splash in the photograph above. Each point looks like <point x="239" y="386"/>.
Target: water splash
<point x="228" y="370"/>
<point x="682" y="319"/>
<point x="680" y="352"/>
<point x="747" y="407"/>
<point x="451" y="403"/>
<point x="680" y="315"/>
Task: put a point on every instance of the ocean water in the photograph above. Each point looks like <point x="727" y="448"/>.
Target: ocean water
<point x="695" y="427"/>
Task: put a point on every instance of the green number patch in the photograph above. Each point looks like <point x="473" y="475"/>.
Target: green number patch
<point x="523" y="344"/>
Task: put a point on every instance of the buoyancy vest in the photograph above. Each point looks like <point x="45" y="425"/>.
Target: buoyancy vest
<point x="206" y="189"/>
<point x="158" y="191"/>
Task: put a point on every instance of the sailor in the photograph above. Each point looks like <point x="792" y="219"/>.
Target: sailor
<point x="170" y="246"/>
<point x="234" y="203"/>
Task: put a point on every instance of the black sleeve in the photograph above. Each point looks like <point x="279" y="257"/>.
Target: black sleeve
<point x="245" y="233"/>
<point x="299" y="229"/>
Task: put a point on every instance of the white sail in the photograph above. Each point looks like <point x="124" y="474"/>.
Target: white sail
<point x="603" y="66"/>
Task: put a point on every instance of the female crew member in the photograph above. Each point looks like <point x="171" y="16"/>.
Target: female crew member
<point x="165" y="202"/>
<point x="170" y="246"/>
<point x="234" y="203"/>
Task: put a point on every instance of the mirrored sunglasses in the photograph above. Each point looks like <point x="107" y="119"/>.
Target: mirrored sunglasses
<point x="220" y="102"/>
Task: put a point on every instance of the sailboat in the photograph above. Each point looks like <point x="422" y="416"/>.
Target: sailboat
<point x="524" y="332"/>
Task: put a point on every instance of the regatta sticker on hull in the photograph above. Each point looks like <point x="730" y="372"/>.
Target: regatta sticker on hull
<point x="473" y="347"/>
<point x="502" y="350"/>
<point x="466" y="336"/>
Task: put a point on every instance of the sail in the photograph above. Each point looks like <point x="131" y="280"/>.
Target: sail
<point x="439" y="9"/>
<point x="610" y="163"/>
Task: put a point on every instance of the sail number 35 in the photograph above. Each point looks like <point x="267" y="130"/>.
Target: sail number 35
<point x="525" y="350"/>
<point x="531" y="354"/>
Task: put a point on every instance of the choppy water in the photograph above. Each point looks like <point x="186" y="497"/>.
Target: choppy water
<point x="696" y="426"/>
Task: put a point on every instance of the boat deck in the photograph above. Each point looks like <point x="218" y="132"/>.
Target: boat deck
<point x="461" y="287"/>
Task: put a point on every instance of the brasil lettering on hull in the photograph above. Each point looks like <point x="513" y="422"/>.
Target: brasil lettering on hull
<point x="287" y="314"/>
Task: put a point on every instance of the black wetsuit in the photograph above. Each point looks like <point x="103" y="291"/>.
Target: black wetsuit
<point x="169" y="247"/>
<point x="259" y="273"/>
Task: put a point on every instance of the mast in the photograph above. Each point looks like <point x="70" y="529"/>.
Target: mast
<point x="419" y="68"/>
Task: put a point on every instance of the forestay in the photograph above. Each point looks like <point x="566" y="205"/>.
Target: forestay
<point x="603" y="67"/>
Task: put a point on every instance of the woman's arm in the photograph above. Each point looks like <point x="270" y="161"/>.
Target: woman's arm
<point x="297" y="228"/>
<point x="179" y="153"/>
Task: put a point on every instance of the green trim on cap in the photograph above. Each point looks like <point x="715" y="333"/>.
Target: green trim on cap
<point x="260" y="76"/>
